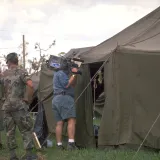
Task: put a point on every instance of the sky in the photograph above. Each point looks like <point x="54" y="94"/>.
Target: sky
<point x="72" y="23"/>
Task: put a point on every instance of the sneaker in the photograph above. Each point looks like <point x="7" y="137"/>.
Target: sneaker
<point x="71" y="146"/>
<point x="60" y="147"/>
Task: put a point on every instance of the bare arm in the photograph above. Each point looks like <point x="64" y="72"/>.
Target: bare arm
<point x="72" y="81"/>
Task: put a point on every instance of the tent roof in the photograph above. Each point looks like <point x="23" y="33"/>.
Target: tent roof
<point x="144" y="34"/>
<point x="129" y="50"/>
<point x="75" y="52"/>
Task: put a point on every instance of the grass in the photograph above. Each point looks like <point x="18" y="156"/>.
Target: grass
<point x="85" y="154"/>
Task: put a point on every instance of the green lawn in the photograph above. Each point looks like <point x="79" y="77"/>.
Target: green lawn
<point x="86" y="154"/>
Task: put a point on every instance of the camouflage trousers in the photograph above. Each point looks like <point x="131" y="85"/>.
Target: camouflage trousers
<point x="1" y="117"/>
<point x="1" y="125"/>
<point x="23" y="121"/>
<point x="1" y="121"/>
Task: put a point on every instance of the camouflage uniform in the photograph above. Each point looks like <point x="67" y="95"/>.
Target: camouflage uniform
<point x="1" y="124"/>
<point x="15" y="109"/>
<point x="1" y="114"/>
<point x="1" y="118"/>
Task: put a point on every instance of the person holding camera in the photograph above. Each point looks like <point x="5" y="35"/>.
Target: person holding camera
<point x="63" y="104"/>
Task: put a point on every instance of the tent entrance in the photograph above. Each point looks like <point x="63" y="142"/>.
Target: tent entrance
<point x="97" y="89"/>
<point x="97" y="95"/>
<point x="33" y="107"/>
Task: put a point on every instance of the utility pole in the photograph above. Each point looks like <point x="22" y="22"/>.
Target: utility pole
<point x="24" y="52"/>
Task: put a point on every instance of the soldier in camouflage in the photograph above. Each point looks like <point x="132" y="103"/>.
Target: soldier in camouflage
<point x="15" y="108"/>
<point x="1" y="114"/>
<point x="1" y="124"/>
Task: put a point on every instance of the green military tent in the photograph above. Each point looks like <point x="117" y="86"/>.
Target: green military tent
<point x="131" y="89"/>
<point x="131" y="83"/>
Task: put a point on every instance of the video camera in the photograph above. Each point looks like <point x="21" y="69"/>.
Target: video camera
<point x="64" y="63"/>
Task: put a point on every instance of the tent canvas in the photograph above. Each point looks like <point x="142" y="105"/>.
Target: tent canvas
<point x="132" y="99"/>
<point x="131" y="83"/>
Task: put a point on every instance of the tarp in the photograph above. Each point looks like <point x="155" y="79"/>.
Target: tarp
<point x="40" y="126"/>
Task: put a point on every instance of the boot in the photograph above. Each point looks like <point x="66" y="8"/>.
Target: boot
<point x="29" y="155"/>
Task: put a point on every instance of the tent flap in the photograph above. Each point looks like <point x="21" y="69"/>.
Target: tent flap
<point x="84" y="107"/>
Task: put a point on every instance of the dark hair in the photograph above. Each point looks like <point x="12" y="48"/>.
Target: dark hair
<point x="64" y="64"/>
<point x="12" y="57"/>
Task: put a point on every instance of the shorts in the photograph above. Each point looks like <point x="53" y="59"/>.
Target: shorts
<point x="63" y="107"/>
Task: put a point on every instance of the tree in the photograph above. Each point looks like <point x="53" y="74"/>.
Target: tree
<point x="61" y="54"/>
<point x="35" y="65"/>
<point x="37" y="46"/>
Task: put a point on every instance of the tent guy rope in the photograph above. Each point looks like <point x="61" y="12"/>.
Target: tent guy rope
<point x="134" y="156"/>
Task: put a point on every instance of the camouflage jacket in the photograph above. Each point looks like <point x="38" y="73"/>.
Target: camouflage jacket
<point x="14" y="86"/>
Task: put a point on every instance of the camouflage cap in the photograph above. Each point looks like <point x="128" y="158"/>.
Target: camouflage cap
<point x="12" y="57"/>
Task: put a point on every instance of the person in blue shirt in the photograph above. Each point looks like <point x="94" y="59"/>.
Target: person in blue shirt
<point x="63" y="105"/>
